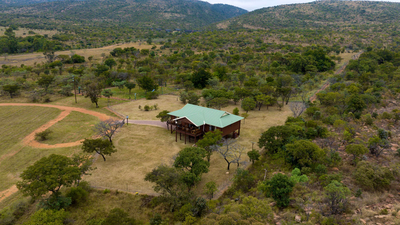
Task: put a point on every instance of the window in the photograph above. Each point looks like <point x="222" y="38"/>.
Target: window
<point x="212" y="128"/>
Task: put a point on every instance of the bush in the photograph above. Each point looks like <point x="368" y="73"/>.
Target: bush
<point x="106" y="191"/>
<point x="304" y="153"/>
<point x="44" y="135"/>
<point x="56" y="202"/>
<point x="146" y="108"/>
<point x="236" y="111"/>
<point x="336" y="197"/>
<point x="156" y="219"/>
<point x="279" y="187"/>
<point x="152" y="95"/>
<point x="77" y="195"/>
<point x="328" y="178"/>
<point x="118" y="216"/>
<point x="311" y="110"/>
<point x="372" y="177"/>
<point x="297" y="177"/>
<point x="180" y="214"/>
<point x="320" y="170"/>
<point x="386" y="115"/>
<point x="243" y="179"/>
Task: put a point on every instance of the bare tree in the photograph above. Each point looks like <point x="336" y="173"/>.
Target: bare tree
<point x="107" y="128"/>
<point x="230" y="150"/>
<point x="297" y="108"/>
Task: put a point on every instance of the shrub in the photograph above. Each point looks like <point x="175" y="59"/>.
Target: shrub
<point x="386" y="115"/>
<point x="152" y="95"/>
<point x="146" y="108"/>
<point x="310" y="111"/>
<point x="368" y="120"/>
<point x="297" y="177"/>
<point x="236" y="111"/>
<point x="156" y="219"/>
<point x="77" y="195"/>
<point x="372" y="177"/>
<point x="336" y="197"/>
<point x="304" y="153"/>
<point x="44" y="135"/>
<point x="328" y="178"/>
<point x="55" y="202"/>
<point x="279" y="187"/>
<point x="320" y="170"/>
<point x="106" y="191"/>
<point x="118" y="216"/>
<point x="356" y="150"/>
<point x="243" y="179"/>
<point x="253" y="155"/>
<point x="183" y="211"/>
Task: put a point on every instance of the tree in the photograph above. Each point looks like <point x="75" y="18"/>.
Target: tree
<point x="110" y="62"/>
<point x="235" y="111"/>
<point x="107" y="128"/>
<point x="45" y="81"/>
<point x="230" y="150"/>
<point x="48" y="174"/>
<point x="77" y="58"/>
<point x="147" y="83"/>
<point x="93" y="91"/>
<point x="163" y="116"/>
<point x="248" y="104"/>
<point x="336" y="197"/>
<point x="253" y="155"/>
<point x="263" y="100"/>
<point x="218" y="103"/>
<point x="130" y="86"/>
<point x="200" y="78"/>
<point x="47" y="216"/>
<point x="297" y="108"/>
<point x="210" y="188"/>
<point x="372" y="177"/>
<point x="107" y="93"/>
<point x="210" y="139"/>
<point x="167" y="180"/>
<point x="84" y="162"/>
<point x="193" y="98"/>
<point x="284" y="88"/>
<point x="304" y="153"/>
<point x="278" y="136"/>
<point x="279" y="187"/>
<point x="118" y="216"/>
<point x="356" y="150"/>
<point x="191" y="161"/>
<point x="100" y="146"/>
<point x="11" y="89"/>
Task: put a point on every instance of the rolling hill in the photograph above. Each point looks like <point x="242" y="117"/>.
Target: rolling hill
<point x="185" y="14"/>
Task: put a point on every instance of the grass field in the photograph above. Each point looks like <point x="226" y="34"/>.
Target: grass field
<point x="142" y="148"/>
<point x="24" y="32"/>
<point x="76" y="126"/>
<point x="38" y="57"/>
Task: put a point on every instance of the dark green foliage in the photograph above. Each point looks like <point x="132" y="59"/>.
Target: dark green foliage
<point x="336" y="197"/>
<point x="253" y="155"/>
<point x="210" y="139"/>
<point x="320" y="170"/>
<point x="43" y="216"/>
<point x="147" y="83"/>
<point x="110" y="62"/>
<point x="243" y="180"/>
<point x="118" y="216"/>
<point x="163" y="116"/>
<point x="248" y="104"/>
<point x="279" y="188"/>
<point x="200" y="206"/>
<point x="56" y="202"/>
<point x="200" y="78"/>
<point x="43" y="135"/>
<point x="304" y="153"/>
<point x="356" y="150"/>
<point x="11" y="89"/>
<point x="152" y="95"/>
<point x="276" y="137"/>
<point x="100" y="146"/>
<point x="210" y="188"/>
<point x="328" y="178"/>
<point x="77" y="59"/>
<point x="235" y="111"/>
<point x="77" y="194"/>
<point x="372" y="177"/>
<point x="130" y="86"/>
<point x="156" y="219"/>
<point x="48" y="174"/>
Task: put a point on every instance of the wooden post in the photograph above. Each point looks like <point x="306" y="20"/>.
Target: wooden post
<point x="239" y="128"/>
<point x="176" y="135"/>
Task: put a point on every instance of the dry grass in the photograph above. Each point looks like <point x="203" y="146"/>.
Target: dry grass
<point x="76" y="126"/>
<point x="24" y="32"/>
<point x="142" y="148"/>
<point x="32" y="58"/>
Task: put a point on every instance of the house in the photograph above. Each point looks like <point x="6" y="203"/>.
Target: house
<point x="194" y="121"/>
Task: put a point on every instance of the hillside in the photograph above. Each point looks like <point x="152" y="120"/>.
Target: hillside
<point x="184" y="14"/>
<point x="320" y="14"/>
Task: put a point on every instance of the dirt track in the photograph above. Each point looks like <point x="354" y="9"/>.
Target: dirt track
<point x="30" y="139"/>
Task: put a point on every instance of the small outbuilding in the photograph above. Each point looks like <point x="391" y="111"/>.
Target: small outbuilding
<point x="194" y="121"/>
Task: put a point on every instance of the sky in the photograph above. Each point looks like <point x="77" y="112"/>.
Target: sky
<point x="251" y="5"/>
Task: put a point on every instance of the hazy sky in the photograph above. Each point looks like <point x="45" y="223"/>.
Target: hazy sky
<point x="258" y="4"/>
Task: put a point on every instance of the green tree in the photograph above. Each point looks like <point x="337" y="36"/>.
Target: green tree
<point x="336" y="194"/>
<point x="48" y="174"/>
<point x="47" y="216"/>
<point x="279" y="188"/>
<point x="167" y="180"/>
<point x="304" y="153"/>
<point x="93" y="91"/>
<point x="218" y="103"/>
<point x="110" y="62"/>
<point x="248" y="104"/>
<point x="263" y="100"/>
<point x="107" y="93"/>
<point x="235" y="111"/>
<point x="118" y="216"/>
<point x="253" y="155"/>
<point x="11" y="89"/>
<point x="372" y="177"/>
<point x="163" y="116"/>
<point x="200" y="78"/>
<point x="130" y="86"/>
<point x="356" y="150"/>
<point x="193" y="98"/>
<point x="100" y="146"/>
<point x="45" y="81"/>
<point x="210" y="188"/>
<point x="297" y="177"/>
<point x="210" y="139"/>
<point x="147" y="83"/>
<point x="77" y="58"/>
<point x="278" y="136"/>
<point x="191" y="161"/>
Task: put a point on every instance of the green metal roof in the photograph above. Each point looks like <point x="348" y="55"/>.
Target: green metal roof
<point x="201" y="115"/>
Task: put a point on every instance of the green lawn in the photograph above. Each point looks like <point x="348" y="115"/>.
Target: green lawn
<point x="76" y="126"/>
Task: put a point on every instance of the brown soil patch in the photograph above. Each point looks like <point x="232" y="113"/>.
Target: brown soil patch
<point x="8" y="192"/>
